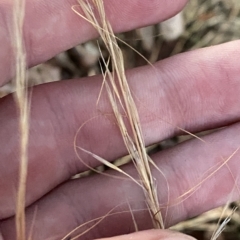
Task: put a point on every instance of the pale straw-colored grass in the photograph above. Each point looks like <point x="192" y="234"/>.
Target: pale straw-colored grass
<point x="121" y="100"/>
<point x="221" y="227"/>
<point x="23" y="110"/>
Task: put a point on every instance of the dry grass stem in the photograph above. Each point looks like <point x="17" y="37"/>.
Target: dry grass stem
<point x="121" y="100"/>
<point x="23" y="108"/>
<point x="223" y="225"/>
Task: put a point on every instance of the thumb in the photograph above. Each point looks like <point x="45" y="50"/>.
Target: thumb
<point x="152" y="235"/>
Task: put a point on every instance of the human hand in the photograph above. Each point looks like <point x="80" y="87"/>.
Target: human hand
<point x="195" y="91"/>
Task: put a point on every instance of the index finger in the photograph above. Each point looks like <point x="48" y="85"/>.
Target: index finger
<point x="51" y="26"/>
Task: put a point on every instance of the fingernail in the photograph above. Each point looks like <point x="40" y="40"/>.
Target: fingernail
<point x="152" y="235"/>
<point x="177" y="236"/>
<point x="168" y="235"/>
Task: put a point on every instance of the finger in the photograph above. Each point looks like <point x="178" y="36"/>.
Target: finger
<point x="151" y="235"/>
<point x="192" y="165"/>
<point x="195" y="91"/>
<point x="51" y="26"/>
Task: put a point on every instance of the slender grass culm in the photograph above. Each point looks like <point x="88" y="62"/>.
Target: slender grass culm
<point x="21" y="99"/>
<point x="121" y="100"/>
